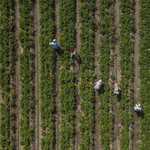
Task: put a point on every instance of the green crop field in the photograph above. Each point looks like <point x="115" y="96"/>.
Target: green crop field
<point x="47" y="98"/>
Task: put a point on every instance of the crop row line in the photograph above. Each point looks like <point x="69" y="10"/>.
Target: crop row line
<point x="47" y="79"/>
<point x="86" y="119"/>
<point x="127" y="28"/>
<point x="26" y="73"/>
<point x="66" y="77"/>
<point x="7" y="70"/>
<point x="106" y="41"/>
<point x="144" y="74"/>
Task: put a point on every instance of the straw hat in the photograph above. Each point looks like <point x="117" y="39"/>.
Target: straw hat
<point x="116" y="84"/>
<point x="54" y="40"/>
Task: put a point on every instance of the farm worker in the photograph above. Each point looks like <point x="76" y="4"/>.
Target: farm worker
<point x="137" y="107"/>
<point x="116" y="89"/>
<point x="98" y="84"/>
<point x="54" y="44"/>
<point x="74" y="54"/>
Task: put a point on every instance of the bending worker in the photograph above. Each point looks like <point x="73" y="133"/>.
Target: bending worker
<point x="116" y="89"/>
<point x="54" y="44"/>
<point x="98" y="84"/>
<point x="137" y="107"/>
<point x="74" y="54"/>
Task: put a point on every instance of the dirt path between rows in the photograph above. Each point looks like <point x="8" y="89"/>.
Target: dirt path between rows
<point x="136" y="125"/>
<point x="18" y="146"/>
<point x="96" y="135"/>
<point x="116" y="73"/>
<point x="36" y="17"/>
<point x="77" y="79"/>
<point x="57" y="115"/>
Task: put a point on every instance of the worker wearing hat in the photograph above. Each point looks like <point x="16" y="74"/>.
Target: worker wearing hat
<point x="74" y="54"/>
<point x="116" y="89"/>
<point x="98" y="84"/>
<point x="54" y="44"/>
<point x="137" y="107"/>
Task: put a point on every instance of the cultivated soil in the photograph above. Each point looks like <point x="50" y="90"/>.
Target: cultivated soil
<point x="116" y="73"/>
<point x="18" y="146"/>
<point x="37" y="127"/>
<point x="57" y="114"/>
<point x="136" y="125"/>
<point x="77" y="78"/>
<point x="97" y="144"/>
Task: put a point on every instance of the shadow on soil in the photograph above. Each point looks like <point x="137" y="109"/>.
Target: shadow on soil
<point x="101" y="90"/>
<point x="119" y="96"/>
<point x="140" y="114"/>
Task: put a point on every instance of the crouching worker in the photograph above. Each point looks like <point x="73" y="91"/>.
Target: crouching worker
<point x="54" y="44"/>
<point x="74" y="54"/>
<point x="98" y="84"/>
<point x="116" y="89"/>
<point x="137" y="107"/>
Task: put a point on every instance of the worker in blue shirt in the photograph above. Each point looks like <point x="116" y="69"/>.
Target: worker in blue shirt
<point x="54" y="44"/>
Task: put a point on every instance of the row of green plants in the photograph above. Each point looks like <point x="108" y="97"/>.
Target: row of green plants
<point x="86" y="119"/>
<point x="127" y="29"/>
<point x="7" y="70"/>
<point x="106" y="44"/>
<point x="47" y="79"/>
<point x="144" y="74"/>
<point x="67" y="17"/>
<point x="26" y="72"/>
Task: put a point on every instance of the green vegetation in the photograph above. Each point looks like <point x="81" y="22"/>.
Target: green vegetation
<point x="7" y="70"/>
<point x="47" y="66"/>
<point x="106" y="41"/>
<point x="86" y="124"/>
<point x="127" y="28"/>
<point x="66" y="77"/>
<point x="26" y="73"/>
<point x="144" y="62"/>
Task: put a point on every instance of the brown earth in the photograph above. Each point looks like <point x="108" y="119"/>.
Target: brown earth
<point x="37" y="127"/>
<point x="116" y="73"/>
<point x="136" y="126"/>
<point x="57" y="115"/>
<point x="18" y="146"/>
<point x="77" y="77"/>
<point x="97" y="144"/>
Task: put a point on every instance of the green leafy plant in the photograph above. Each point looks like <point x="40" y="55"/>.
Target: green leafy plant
<point x="26" y="73"/>
<point x="47" y="68"/>
<point x="106" y="29"/>
<point x="7" y="70"/>
<point x="86" y="124"/>
<point x="144" y="74"/>
<point x="127" y="28"/>
<point x="66" y="77"/>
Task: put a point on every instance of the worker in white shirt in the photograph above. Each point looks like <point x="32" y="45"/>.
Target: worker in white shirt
<point x="116" y="89"/>
<point x="98" y="84"/>
<point x="137" y="107"/>
<point x="54" y="44"/>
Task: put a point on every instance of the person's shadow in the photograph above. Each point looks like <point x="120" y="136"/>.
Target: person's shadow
<point x="140" y="114"/>
<point x="101" y="90"/>
<point x="119" y="96"/>
<point x="60" y="51"/>
<point x="79" y="60"/>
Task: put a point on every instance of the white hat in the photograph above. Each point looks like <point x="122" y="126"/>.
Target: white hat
<point x="54" y="40"/>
